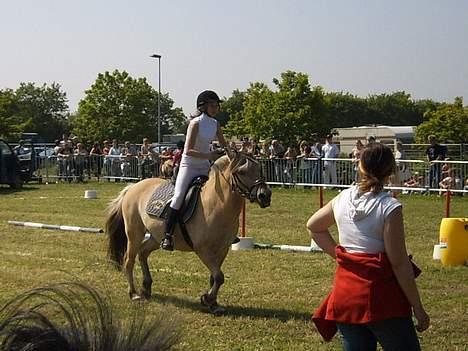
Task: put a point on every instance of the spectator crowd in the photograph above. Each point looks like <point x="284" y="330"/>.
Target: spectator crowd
<point x="308" y="162"/>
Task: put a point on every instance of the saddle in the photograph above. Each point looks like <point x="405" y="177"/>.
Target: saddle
<point x="161" y="198"/>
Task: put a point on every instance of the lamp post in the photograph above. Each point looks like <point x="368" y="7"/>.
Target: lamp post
<point x="156" y="56"/>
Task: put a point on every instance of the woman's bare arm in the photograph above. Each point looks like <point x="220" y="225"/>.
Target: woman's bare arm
<point x="318" y="226"/>
<point x="395" y="248"/>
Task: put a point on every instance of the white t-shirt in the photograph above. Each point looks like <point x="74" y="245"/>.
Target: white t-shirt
<point x="330" y="151"/>
<point x="360" y="219"/>
<point x="207" y="132"/>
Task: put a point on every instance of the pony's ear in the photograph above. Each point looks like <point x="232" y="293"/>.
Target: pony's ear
<point x="231" y="153"/>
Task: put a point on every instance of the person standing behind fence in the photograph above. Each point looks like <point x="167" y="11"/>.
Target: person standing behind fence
<point x="355" y="156"/>
<point x="81" y="158"/>
<point x="305" y="165"/>
<point x="434" y="152"/>
<point x="374" y="293"/>
<point x="329" y="150"/>
<point x="276" y="153"/>
<point x="96" y="159"/>
<point x="114" y="154"/>
<point x="316" y="152"/>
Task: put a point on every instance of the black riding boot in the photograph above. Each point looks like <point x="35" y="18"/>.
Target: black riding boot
<point x="169" y="224"/>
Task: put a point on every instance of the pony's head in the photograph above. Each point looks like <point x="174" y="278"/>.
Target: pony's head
<point x="247" y="179"/>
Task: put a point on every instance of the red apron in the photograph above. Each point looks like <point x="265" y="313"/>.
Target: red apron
<point x="364" y="290"/>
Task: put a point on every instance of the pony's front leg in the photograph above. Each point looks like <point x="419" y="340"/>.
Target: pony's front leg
<point x="210" y="298"/>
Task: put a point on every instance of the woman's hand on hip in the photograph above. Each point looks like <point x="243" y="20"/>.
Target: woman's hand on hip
<point x="422" y="319"/>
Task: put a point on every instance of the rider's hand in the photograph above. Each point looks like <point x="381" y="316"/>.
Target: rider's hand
<point x="214" y="155"/>
<point x="422" y="319"/>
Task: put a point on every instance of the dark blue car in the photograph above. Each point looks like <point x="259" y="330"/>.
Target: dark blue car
<point x="10" y="169"/>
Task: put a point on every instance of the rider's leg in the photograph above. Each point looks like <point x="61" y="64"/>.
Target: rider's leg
<point x="184" y="178"/>
<point x="169" y="223"/>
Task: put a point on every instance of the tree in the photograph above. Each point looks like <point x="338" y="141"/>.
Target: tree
<point x="300" y="110"/>
<point x="347" y="110"/>
<point x="43" y="110"/>
<point x="232" y="114"/>
<point x="449" y="123"/>
<point x="293" y="112"/>
<point x="12" y="123"/>
<point x="119" y="106"/>
<point x="396" y="109"/>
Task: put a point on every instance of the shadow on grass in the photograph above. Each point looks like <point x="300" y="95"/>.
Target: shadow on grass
<point x="5" y="189"/>
<point x="235" y="311"/>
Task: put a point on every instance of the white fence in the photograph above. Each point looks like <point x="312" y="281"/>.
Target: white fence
<point x="338" y="172"/>
<point x="414" y="175"/>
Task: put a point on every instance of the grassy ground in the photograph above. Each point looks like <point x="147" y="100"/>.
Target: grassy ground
<point x="269" y="294"/>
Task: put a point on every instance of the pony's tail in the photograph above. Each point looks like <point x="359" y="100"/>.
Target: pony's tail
<point x="115" y="230"/>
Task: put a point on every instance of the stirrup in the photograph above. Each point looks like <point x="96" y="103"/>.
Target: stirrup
<point x="167" y="243"/>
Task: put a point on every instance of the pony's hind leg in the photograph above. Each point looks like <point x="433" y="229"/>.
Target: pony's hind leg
<point x="148" y="246"/>
<point x="129" y="265"/>
<point x="135" y="233"/>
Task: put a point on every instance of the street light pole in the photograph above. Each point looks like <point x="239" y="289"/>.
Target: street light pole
<point x="156" y="56"/>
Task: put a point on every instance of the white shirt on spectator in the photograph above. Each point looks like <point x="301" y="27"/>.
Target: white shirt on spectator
<point x="360" y="219"/>
<point x="330" y="151"/>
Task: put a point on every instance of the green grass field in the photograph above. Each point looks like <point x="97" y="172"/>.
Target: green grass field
<point x="269" y="294"/>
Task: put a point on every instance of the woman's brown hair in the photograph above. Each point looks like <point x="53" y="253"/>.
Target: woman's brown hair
<point x="377" y="163"/>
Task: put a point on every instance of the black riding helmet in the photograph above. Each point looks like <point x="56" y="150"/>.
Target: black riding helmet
<point x="207" y="96"/>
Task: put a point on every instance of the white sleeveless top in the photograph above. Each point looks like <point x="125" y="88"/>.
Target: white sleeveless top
<point x="360" y="219"/>
<point x="207" y="132"/>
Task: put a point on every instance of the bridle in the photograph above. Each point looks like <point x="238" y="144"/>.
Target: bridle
<point x="249" y="192"/>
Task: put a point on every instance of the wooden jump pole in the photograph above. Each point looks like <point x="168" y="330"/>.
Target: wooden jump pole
<point x="447" y="203"/>
<point x="242" y="220"/>
<point x="321" y="196"/>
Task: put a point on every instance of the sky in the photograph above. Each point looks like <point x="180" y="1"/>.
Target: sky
<point x="356" y="46"/>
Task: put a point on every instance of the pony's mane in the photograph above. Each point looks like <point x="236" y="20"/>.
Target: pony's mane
<point x="221" y="164"/>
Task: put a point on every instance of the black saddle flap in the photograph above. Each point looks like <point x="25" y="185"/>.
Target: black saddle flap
<point x="161" y="198"/>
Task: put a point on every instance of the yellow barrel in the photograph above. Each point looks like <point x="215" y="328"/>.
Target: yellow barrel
<point x="453" y="241"/>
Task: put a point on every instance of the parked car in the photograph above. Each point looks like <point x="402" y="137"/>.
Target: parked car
<point x="10" y="168"/>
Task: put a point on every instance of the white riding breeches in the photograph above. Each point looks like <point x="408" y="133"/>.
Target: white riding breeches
<point x="184" y="178"/>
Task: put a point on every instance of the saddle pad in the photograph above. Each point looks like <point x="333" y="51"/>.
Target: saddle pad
<point x="159" y="199"/>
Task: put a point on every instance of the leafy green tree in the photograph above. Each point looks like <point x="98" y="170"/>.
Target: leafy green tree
<point x="259" y="112"/>
<point x="449" y="123"/>
<point x="12" y="123"/>
<point x="42" y="110"/>
<point x="347" y="110"/>
<point x="232" y="114"/>
<point x="119" y="106"/>
<point x="300" y="110"/>
<point x="293" y="112"/>
<point x="394" y="109"/>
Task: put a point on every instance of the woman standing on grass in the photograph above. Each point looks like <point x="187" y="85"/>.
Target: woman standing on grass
<point x="374" y="292"/>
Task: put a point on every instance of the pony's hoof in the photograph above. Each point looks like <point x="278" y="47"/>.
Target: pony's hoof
<point x="204" y="300"/>
<point x="213" y="306"/>
<point x="145" y="295"/>
<point x="137" y="298"/>
<point x="217" y="310"/>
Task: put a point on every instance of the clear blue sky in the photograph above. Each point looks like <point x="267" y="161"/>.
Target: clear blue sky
<point x="362" y="47"/>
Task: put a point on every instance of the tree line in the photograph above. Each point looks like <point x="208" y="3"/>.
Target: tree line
<point x="122" y="107"/>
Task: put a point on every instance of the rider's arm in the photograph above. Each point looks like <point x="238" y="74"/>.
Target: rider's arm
<point x="220" y="136"/>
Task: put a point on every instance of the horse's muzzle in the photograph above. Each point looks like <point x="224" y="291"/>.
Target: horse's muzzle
<point x="264" y="196"/>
